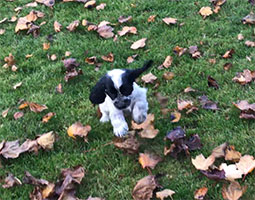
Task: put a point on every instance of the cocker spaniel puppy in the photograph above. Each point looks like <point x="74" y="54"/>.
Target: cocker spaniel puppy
<point x="118" y="94"/>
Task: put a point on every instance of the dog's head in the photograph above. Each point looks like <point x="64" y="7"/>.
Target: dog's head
<point x="118" y="85"/>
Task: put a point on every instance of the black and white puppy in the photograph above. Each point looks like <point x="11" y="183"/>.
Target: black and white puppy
<point x="117" y="93"/>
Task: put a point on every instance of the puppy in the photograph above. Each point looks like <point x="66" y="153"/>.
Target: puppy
<point x="118" y="94"/>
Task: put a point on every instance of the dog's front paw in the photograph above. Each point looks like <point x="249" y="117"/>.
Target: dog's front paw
<point x="121" y="130"/>
<point x="140" y="118"/>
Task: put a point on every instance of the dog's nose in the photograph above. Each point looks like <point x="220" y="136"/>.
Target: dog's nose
<point x="122" y="104"/>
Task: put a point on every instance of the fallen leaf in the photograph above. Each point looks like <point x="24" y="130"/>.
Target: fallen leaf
<point x="175" y="116"/>
<point x="202" y="163"/>
<point x="2" y="31"/>
<point x="70" y="64"/>
<point x="48" y="190"/>
<point x="131" y="59"/>
<point x="49" y="3"/>
<point x="91" y="60"/>
<point x="13" y="19"/>
<point x="149" y="160"/>
<point x="231" y="154"/>
<point x="46" y="46"/>
<point x="129" y="144"/>
<point x="11" y="181"/>
<point x="108" y="58"/>
<point x="249" y="43"/>
<point x="18" y="115"/>
<point x="71" y="74"/>
<point x="240" y="36"/>
<point x="214" y="174"/>
<point x="205" y="11"/>
<point x="46" y="140"/>
<point x="246" y="164"/>
<point x="101" y="6"/>
<point x="212" y="61"/>
<point x="127" y="29"/>
<point x="29" y="55"/>
<point x="123" y="19"/>
<point x="17" y="85"/>
<point x="57" y="26"/>
<point x="53" y="57"/>
<point x="71" y="27"/>
<point x="170" y="20"/>
<point x="244" y="77"/>
<point x="4" y="114"/>
<point x="212" y="83"/>
<point x="67" y="53"/>
<point x="29" y="179"/>
<point x="189" y="89"/>
<point x="207" y="104"/>
<point x="144" y="188"/>
<point x="200" y="193"/>
<point x="105" y="31"/>
<point x="168" y="76"/>
<point x="231" y="171"/>
<point x="227" y="66"/>
<point x="193" y="51"/>
<point x="249" y="19"/>
<point x="59" y="88"/>
<point x="164" y="194"/>
<point x="3" y="20"/>
<point x="219" y="151"/>
<point x="233" y="192"/>
<point x="36" y="107"/>
<point x="32" y="4"/>
<point x="9" y="60"/>
<point x="151" y="18"/>
<point x="179" y="50"/>
<point x="228" y="53"/>
<point x="90" y="4"/>
<point x="168" y="61"/>
<point x="184" y="104"/>
<point x="77" y="129"/>
<point x="149" y="78"/>
<point x="139" y="44"/>
<point x="47" y="117"/>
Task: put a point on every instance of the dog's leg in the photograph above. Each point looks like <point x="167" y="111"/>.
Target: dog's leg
<point x="120" y="126"/>
<point x="139" y="112"/>
<point x="105" y="113"/>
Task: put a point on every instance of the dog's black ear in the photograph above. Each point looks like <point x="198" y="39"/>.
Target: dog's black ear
<point x="137" y="72"/>
<point x="97" y="94"/>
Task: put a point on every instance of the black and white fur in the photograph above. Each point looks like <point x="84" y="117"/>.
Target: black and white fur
<point x="117" y="93"/>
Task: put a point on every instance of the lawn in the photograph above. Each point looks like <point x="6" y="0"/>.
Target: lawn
<point x="111" y="173"/>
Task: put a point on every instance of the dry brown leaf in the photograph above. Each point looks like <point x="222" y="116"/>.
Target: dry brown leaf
<point x="240" y="36"/>
<point x="11" y="181"/>
<point x="205" y="11"/>
<point x="90" y="4"/>
<point x="219" y="151"/>
<point x="193" y="51"/>
<point x="71" y="27"/>
<point x="5" y="112"/>
<point x="170" y="20"/>
<point x="77" y="129"/>
<point x="3" y="20"/>
<point x="144" y="188"/>
<point x="108" y="58"/>
<point x="29" y="55"/>
<point x="179" y="50"/>
<point x="246" y="164"/>
<point x="18" y="115"/>
<point x="10" y="60"/>
<point x="59" y="88"/>
<point x="227" y="66"/>
<point x="131" y="59"/>
<point x="91" y="60"/>
<point x="212" y="61"/>
<point x="249" y="43"/>
<point x="57" y="26"/>
<point x="175" y="116"/>
<point x="231" y="171"/>
<point x="46" y="46"/>
<point x="13" y="19"/>
<point x="36" y="107"/>
<point x="123" y="19"/>
<point x="151" y="18"/>
<point x="53" y="57"/>
<point x="168" y="61"/>
<point x="71" y="74"/>
<point x="47" y="117"/>
<point x="244" y="77"/>
<point x="17" y="85"/>
<point x="105" y="31"/>
<point x="164" y="194"/>
<point x="101" y="6"/>
<point x="2" y="31"/>
<point x="32" y="4"/>
<point x="233" y="192"/>
<point x="202" y="163"/>
<point x="189" y="89"/>
<point x="228" y="53"/>
<point x="231" y="154"/>
<point x="129" y="144"/>
<point x="49" y="189"/>
<point x="184" y="104"/>
<point x="149" y="78"/>
<point x="127" y="29"/>
<point x="67" y="53"/>
<point x="48" y="3"/>
<point x="139" y="44"/>
<point x="200" y="193"/>
<point x="149" y="160"/>
<point x="168" y="76"/>
<point x="212" y="83"/>
<point x="46" y="140"/>
<point x="249" y="19"/>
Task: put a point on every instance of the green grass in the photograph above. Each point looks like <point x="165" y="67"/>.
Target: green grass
<point x="110" y="173"/>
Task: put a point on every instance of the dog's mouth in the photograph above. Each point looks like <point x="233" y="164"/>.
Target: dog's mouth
<point x="122" y="104"/>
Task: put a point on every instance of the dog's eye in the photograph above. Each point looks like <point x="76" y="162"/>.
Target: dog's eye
<point x="126" y="90"/>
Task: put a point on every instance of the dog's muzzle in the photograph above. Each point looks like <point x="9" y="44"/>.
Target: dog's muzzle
<point x="121" y="103"/>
